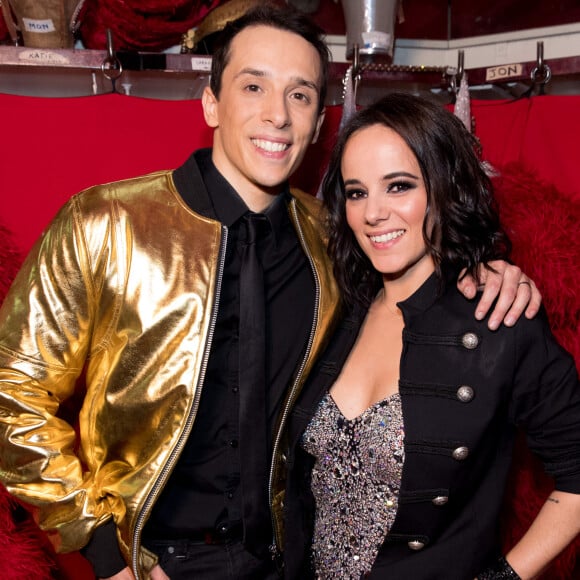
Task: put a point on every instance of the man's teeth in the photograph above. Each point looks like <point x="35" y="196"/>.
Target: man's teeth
<point x="270" y="146"/>
<point x="387" y="237"/>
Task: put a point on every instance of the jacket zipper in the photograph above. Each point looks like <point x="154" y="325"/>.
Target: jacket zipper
<point x="190" y="419"/>
<point x="274" y="546"/>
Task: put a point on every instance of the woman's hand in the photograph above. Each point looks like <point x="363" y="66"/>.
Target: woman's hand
<point x="555" y="526"/>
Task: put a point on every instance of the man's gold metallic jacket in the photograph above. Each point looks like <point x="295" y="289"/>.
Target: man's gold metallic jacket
<point x="121" y="291"/>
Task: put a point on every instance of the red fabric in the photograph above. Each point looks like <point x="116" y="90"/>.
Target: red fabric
<point x="54" y="147"/>
<point x="541" y="133"/>
<point x="541" y="219"/>
<point x="500" y="126"/>
<point x="556" y="161"/>
<point x="147" y="25"/>
<point x="24" y="551"/>
<point x="4" y="34"/>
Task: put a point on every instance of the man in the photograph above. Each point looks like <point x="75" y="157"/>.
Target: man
<point x="140" y="288"/>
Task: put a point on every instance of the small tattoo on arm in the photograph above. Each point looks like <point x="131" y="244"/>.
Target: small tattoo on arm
<point x="554" y="500"/>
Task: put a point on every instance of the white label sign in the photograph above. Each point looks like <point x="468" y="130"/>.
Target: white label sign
<point x="41" y="26"/>
<point x="376" y="38"/>
<point x="42" y="57"/>
<point x="504" y="71"/>
<point x="201" y="63"/>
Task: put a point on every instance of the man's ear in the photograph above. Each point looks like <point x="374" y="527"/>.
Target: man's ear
<point x="209" y="103"/>
<point x="319" y="122"/>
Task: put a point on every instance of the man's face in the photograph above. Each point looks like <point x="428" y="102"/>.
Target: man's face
<point x="267" y="112"/>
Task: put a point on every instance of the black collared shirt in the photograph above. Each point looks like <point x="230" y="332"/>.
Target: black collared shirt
<point x="203" y="492"/>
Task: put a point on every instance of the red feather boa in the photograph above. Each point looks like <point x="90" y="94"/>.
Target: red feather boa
<point x="544" y="226"/>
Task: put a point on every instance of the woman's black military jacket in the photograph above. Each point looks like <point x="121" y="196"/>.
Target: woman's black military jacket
<point x="465" y="391"/>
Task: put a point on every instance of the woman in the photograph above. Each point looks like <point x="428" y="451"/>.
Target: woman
<point x="400" y="445"/>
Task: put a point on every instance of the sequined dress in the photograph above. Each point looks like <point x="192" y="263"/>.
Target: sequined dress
<point x="355" y="481"/>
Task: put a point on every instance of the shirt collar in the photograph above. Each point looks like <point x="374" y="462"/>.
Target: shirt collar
<point x="422" y="298"/>
<point x="432" y="289"/>
<point x="227" y="203"/>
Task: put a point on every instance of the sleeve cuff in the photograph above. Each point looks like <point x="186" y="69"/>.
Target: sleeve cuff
<point x="103" y="551"/>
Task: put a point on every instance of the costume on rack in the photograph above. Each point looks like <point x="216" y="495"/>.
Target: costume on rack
<point x="120" y="289"/>
<point x="464" y="390"/>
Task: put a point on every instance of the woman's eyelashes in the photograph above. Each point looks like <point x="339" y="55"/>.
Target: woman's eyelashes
<point x="394" y="187"/>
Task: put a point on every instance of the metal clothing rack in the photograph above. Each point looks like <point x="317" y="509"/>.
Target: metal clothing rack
<point x="73" y="72"/>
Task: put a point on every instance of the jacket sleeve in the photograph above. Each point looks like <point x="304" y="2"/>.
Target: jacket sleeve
<point x="546" y="401"/>
<point x="45" y="331"/>
<point x="103" y="551"/>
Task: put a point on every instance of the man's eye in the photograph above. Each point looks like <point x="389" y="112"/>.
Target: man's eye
<point x="252" y="88"/>
<point x="302" y="97"/>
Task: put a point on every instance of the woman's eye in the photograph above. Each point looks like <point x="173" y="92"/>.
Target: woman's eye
<point x="354" y="194"/>
<point x="399" y="187"/>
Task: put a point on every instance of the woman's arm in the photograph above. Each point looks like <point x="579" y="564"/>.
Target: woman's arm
<point x="555" y="526"/>
<point x="546" y="404"/>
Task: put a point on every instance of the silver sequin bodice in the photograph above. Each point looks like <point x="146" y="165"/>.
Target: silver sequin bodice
<point x="355" y="482"/>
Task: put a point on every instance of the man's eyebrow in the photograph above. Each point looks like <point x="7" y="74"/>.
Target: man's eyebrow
<point x="263" y="74"/>
<point x="306" y="83"/>
<point x="252" y="72"/>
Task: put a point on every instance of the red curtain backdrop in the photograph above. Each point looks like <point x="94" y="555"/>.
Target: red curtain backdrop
<point x="52" y="148"/>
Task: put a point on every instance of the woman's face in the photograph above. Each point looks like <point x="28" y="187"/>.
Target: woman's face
<point x="386" y="203"/>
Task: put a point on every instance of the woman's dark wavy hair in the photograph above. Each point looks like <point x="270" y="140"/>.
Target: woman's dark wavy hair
<point x="285" y="18"/>
<point x="461" y="209"/>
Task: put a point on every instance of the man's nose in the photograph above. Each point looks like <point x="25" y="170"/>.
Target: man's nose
<point x="276" y="110"/>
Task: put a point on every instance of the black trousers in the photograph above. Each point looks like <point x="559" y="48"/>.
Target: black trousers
<point x="187" y="560"/>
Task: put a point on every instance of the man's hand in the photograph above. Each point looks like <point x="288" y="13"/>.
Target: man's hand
<point x="158" y="574"/>
<point x="515" y="292"/>
<point x="126" y="574"/>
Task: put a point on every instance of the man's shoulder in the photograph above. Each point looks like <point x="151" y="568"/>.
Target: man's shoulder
<point x="133" y="190"/>
<point x="309" y="203"/>
<point x="141" y="183"/>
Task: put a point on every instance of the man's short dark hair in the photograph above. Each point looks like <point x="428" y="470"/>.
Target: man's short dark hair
<point x="283" y="18"/>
